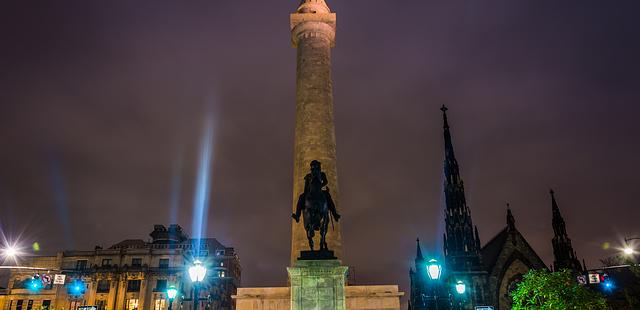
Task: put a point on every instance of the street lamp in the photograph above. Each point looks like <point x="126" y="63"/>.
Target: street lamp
<point x="628" y="250"/>
<point x="171" y="293"/>
<point x="434" y="270"/>
<point x="10" y="252"/>
<point x="461" y="287"/>
<point x="197" y="272"/>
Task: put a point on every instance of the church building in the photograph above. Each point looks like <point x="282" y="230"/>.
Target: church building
<point x="472" y="275"/>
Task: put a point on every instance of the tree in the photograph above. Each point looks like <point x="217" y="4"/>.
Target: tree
<point x="541" y="289"/>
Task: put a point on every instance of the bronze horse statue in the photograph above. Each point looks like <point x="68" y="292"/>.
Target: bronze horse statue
<point x="315" y="203"/>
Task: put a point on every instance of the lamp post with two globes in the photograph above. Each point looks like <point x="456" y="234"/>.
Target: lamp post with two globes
<point x="197" y="272"/>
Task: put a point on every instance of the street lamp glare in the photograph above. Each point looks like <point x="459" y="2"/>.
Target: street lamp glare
<point x="11" y="252"/>
<point x="628" y="250"/>
<point x="197" y="272"/>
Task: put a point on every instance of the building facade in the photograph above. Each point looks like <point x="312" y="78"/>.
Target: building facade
<point x="132" y="274"/>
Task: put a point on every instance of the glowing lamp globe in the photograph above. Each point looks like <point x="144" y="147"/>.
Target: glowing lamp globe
<point x="461" y="287"/>
<point x="172" y="292"/>
<point x="434" y="270"/>
<point x="628" y="250"/>
<point x="197" y="272"/>
<point x="10" y="252"/>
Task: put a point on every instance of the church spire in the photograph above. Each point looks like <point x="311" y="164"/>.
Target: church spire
<point x="418" y="251"/>
<point x="461" y="248"/>
<point x="564" y="255"/>
<point x="511" y="221"/>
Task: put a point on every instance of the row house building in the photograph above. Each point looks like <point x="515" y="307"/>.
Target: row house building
<point x="130" y="275"/>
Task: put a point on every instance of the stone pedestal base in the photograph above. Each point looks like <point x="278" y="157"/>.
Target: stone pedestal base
<point x="317" y="285"/>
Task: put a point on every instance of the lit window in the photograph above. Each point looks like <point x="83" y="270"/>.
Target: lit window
<point x="131" y="304"/>
<point x="159" y="304"/>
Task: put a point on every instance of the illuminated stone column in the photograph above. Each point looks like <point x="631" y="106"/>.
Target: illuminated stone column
<point x="313" y="34"/>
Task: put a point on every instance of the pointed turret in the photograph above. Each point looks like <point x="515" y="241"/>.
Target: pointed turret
<point x="511" y="221"/>
<point x="462" y="246"/>
<point x="564" y="255"/>
<point x="418" y="251"/>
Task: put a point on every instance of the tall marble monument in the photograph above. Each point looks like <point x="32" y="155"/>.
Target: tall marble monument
<point x="313" y="31"/>
<point x="317" y="278"/>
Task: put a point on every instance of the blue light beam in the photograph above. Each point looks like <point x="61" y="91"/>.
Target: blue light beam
<point x="201" y="197"/>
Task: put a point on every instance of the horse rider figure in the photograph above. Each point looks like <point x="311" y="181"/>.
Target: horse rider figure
<point x="315" y="175"/>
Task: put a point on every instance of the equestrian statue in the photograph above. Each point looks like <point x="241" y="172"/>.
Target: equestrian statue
<point x="315" y="205"/>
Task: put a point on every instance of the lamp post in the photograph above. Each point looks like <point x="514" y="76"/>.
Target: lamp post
<point x="627" y="248"/>
<point x="434" y="270"/>
<point x="171" y="293"/>
<point x="197" y="272"/>
<point x="461" y="288"/>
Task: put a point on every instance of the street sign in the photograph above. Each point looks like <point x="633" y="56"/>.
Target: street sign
<point x="87" y="308"/>
<point x="594" y="278"/>
<point x="582" y="279"/>
<point x="59" y="279"/>
<point x="484" y="308"/>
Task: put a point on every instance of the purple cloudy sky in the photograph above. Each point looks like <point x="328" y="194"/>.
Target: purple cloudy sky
<point x="102" y="106"/>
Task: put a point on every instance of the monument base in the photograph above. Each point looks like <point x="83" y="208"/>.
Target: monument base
<point x="369" y="297"/>
<point x="317" y="284"/>
<point x="317" y="255"/>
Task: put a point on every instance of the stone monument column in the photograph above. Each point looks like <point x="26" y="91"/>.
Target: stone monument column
<point x="313" y="34"/>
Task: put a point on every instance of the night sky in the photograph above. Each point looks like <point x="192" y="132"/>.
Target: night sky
<point x="103" y="103"/>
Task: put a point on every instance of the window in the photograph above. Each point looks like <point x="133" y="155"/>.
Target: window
<point x="46" y="304"/>
<point x="106" y="262"/>
<point x="164" y="263"/>
<point x="133" y="286"/>
<point x="101" y="304"/>
<point x="161" y="285"/>
<point x="131" y="304"/>
<point x="103" y="286"/>
<point x="81" y="264"/>
<point x="221" y="274"/>
<point x="220" y="252"/>
<point x="30" y="305"/>
<point x="19" y="304"/>
<point x="159" y="304"/>
<point x="221" y="264"/>
<point x="136" y="262"/>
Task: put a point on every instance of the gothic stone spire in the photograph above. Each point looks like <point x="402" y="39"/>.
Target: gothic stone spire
<point x="564" y="256"/>
<point x="462" y="248"/>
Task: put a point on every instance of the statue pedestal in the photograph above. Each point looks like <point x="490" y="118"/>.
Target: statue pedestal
<point x="317" y="285"/>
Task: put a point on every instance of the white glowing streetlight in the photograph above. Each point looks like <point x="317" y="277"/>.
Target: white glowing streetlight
<point x="628" y="250"/>
<point x="197" y="272"/>
<point x="10" y="252"/>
